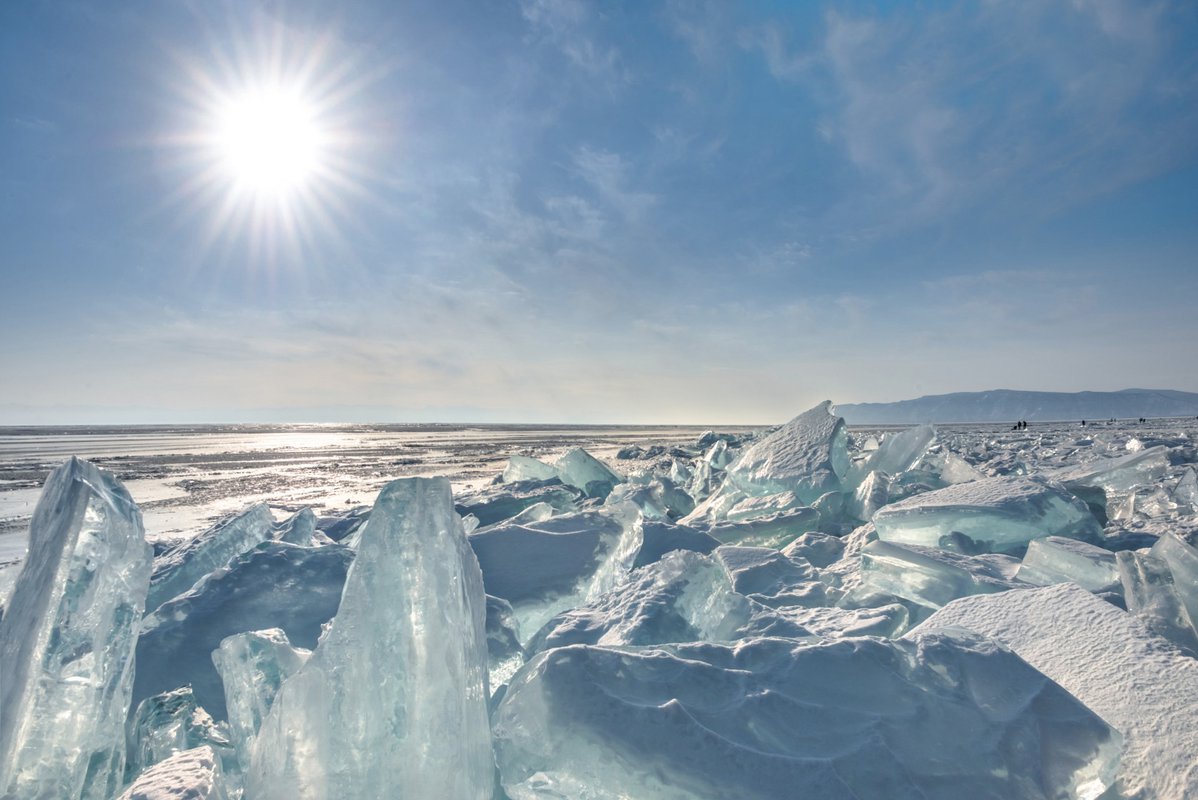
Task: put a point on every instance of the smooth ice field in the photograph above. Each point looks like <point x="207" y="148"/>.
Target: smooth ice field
<point x="804" y="611"/>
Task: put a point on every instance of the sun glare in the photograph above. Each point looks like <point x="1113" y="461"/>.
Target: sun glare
<point x="269" y="149"/>
<point x="269" y="141"/>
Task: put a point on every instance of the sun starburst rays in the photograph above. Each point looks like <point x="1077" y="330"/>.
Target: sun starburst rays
<point x="269" y="155"/>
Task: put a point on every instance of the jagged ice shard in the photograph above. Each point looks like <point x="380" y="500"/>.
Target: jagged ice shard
<point x="393" y="702"/>
<point x="67" y="640"/>
<point x="807" y="455"/>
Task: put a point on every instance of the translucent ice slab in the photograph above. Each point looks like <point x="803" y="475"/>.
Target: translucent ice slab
<point x="548" y="567"/>
<point x="170" y="723"/>
<point x="929" y="576"/>
<point x="495" y="504"/>
<point x="580" y="469"/>
<point x="179" y="568"/>
<point x="901" y="451"/>
<point x="1149" y="593"/>
<point x="772" y="578"/>
<point x="1055" y="559"/>
<point x="684" y="597"/>
<point x="1001" y="514"/>
<point x="523" y="468"/>
<point x="67" y="640"/>
<point x="807" y="455"/>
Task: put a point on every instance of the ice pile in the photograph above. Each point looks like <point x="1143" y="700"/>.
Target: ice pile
<point x="802" y="612"/>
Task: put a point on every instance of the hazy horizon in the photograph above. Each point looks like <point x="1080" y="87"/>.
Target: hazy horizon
<point x="550" y="211"/>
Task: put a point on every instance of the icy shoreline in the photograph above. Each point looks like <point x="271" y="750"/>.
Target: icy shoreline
<point x="759" y="614"/>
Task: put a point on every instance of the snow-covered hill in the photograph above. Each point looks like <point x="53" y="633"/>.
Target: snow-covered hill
<point x="1002" y="405"/>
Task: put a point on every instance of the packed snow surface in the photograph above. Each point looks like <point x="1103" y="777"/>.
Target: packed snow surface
<point x="808" y="611"/>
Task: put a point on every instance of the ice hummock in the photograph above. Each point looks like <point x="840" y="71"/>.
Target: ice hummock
<point x="684" y="597"/>
<point x="181" y="567"/>
<point x="1107" y="659"/>
<point x="393" y="701"/>
<point x="547" y="567"/>
<point x="67" y="640"/>
<point x="275" y="585"/>
<point x="946" y="716"/>
<point x="1000" y="514"/>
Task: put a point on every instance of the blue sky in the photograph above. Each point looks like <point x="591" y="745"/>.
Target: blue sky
<point x="615" y="212"/>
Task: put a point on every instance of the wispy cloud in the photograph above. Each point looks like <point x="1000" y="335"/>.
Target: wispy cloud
<point x="981" y="105"/>
<point x="569" y="26"/>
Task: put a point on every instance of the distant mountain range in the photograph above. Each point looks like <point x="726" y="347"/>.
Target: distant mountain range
<point x="1007" y="405"/>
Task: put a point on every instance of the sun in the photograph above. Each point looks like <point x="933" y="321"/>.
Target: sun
<point x="269" y="147"/>
<point x="269" y="141"/>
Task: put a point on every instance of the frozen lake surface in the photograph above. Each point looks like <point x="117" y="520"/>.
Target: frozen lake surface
<point x="185" y="477"/>
<point x="603" y="612"/>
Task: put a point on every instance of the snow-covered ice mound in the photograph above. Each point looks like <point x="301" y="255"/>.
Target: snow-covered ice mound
<point x="945" y="716"/>
<point x="1137" y="682"/>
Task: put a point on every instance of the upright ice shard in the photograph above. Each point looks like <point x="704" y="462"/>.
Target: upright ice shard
<point x="1001" y="514"/>
<point x="252" y="667"/>
<point x="582" y="470"/>
<point x="191" y="775"/>
<point x="179" y="568"/>
<point x="67" y="639"/>
<point x="807" y="455"/>
<point x="1149" y="593"/>
<point x="393" y="702"/>
<point x="1137" y="682"/>
<point x="945" y="716"/>
<point x="1161" y="587"/>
